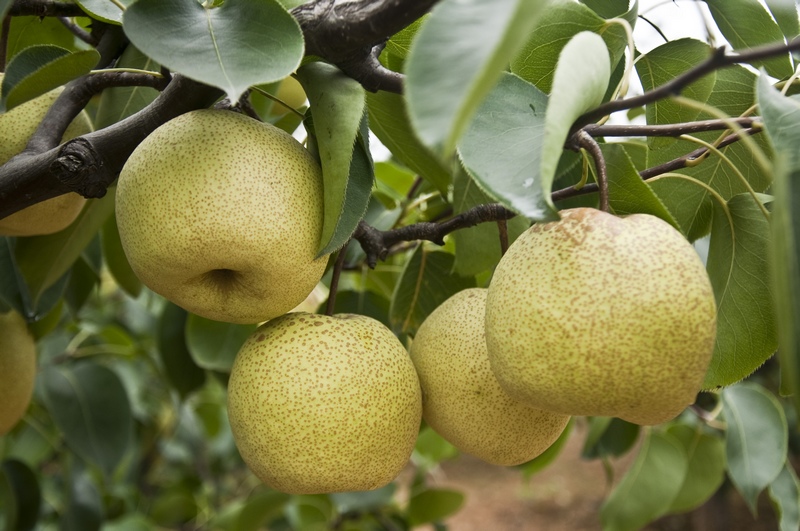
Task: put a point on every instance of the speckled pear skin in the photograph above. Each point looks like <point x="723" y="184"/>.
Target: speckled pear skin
<point x="323" y="404"/>
<point x="17" y="369"/>
<point x="222" y="215"/>
<point x="601" y="315"/>
<point x="461" y="399"/>
<point x="16" y="128"/>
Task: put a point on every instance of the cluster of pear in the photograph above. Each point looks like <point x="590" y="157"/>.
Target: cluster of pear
<point x="17" y="347"/>
<point x="222" y="215"/>
<point x="16" y="128"/>
<point x="590" y="315"/>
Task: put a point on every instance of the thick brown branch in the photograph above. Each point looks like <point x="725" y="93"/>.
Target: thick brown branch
<point x="45" y="8"/>
<point x="89" y="164"/>
<point x="347" y="34"/>
<point x="719" y="59"/>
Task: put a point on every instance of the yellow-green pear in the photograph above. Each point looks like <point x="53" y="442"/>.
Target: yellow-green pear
<point x="16" y="128"/>
<point x="324" y="404"/>
<point x="601" y="315"/>
<point x="17" y="369"/>
<point x="291" y="92"/>
<point x="461" y="399"/>
<point x="222" y="215"/>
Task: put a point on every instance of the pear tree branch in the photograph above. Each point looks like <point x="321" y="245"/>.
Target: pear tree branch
<point x="348" y="34"/>
<point x="718" y="59"/>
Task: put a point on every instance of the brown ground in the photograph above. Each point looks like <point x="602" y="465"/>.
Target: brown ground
<point x="567" y="496"/>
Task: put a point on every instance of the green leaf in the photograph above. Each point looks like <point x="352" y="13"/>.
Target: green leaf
<point x="782" y="122"/>
<point x="579" y="84"/>
<point x="214" y="345"/>
<point x="90" y="406"/>
<point x="433" y="505"/>
<point x="39" y="69"/>
<point x="5" y="5"/>
<point x="337" y="106"/>
<point x="239" y="44"/>
<point x="104" y="10"/>
<point x="181" y="370"/>
<point x="456" y="58"/>
<point x="562" y="20"/>
<point x="785" y="14"/>
<point x="82" y="281"/>
<point x="32" y="31"/>
<point x="363" y="303"/>
<point x="691" y="205"/>
<point x="13" y="290"/>
<point x="613" y="8"/>
<point x="116" y="261"/>
<point x="756" y="439"/>
<point x="478" y="247"/>
<point x="706" y="469"/>
<point x="20" y="497"/>
<point x="747" y="24"/>
<point x="364" y="501"/>
<point x="648" y="487"/>
<point x="84" y="511"/>
<point x="609" y="437"/>
<point x="431" y="449"/>
<point x="312" y="512"/>
<point x="546" y="458"/>
<point x="426" y="282"/>
<point x="44" y="259"/>
<point x="117" y="103"/>
<point x="784" y="492"/>
<point x="663" y="64"/>
<point x="262" y="506"/>
<point x="388" y="119"/>
<point x="627" y="192"/>
<point x="501" y="149"/>
<point x="738" y="269"/>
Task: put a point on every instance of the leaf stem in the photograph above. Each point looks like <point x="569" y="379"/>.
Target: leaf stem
<point x="713" y="149"/>
<point x="337" y="272"/>
<point x="277" y="100"/>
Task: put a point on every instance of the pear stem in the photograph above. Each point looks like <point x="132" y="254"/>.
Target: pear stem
<point x="337" y="272"/>
<point x="582" y="139"/>
<point x="502" y="227"/>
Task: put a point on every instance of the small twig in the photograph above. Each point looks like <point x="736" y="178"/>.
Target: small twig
<point x="582" y="139"/>
<point x="376" y="243"/>
<point x="502" y="229"/>
<point x="719" y="59"/>
<point x="78" y="31"/>
<point x="670" y="166"/>
<point x="337" y="272"/>
<point x="668" y="129"/>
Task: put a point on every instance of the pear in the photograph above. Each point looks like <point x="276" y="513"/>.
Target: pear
<point x="323" y="404"/>
<point x="17" y="369"/>
<point x="600" y="315"/>
<point x="461" y="399"/>
<point x="16" y="128"/>
<point x="222" y="215"/>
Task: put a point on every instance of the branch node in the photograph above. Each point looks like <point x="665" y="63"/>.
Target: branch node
<point x="77" y="167"/>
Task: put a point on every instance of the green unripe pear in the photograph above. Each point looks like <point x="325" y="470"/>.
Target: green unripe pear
<point x="461" y="399"/>
<point x="222" y="215"/>
<point x="600" y="315"/>
<point x="324" y="404"/>
<point x="17" y="369"/>
<point x="16" y="128"/>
